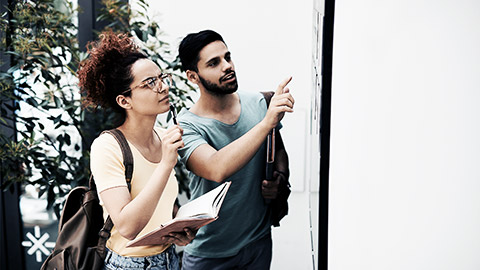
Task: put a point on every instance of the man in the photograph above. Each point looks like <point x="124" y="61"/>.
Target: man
<point x="224" y="136"/>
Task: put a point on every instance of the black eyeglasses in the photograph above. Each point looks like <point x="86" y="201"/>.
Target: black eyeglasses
<point x="155" y="84"/>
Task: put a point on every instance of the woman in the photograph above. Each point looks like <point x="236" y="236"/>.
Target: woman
<point x="119" y="76"/>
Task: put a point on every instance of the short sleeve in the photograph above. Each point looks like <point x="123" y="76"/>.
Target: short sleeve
<point x="191" y="139"/>
<point x="106" y="163"/>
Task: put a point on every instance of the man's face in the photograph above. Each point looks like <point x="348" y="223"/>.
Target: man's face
<point x="216" y="71"/>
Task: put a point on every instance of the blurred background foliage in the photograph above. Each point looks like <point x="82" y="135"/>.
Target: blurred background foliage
<point x="53" y="131"/>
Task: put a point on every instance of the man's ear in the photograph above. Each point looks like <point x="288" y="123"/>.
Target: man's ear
<point x="123" y="102"/>
<point x="192" y="76"/>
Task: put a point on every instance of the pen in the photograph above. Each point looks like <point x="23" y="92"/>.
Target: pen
<point x="270" y="155"/>
<point x="270" y="158"/>
<point x="174" y="114"/>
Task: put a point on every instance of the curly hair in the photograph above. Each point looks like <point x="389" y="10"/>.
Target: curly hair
<point x="106" y="73"/>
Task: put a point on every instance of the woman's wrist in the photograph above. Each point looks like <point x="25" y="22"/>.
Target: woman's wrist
<point x="166" y="165"/>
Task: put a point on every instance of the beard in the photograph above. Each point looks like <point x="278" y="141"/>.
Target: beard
<point x="217" y="89"/>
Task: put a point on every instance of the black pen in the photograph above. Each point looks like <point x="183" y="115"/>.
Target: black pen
<point x="174" y="114"/>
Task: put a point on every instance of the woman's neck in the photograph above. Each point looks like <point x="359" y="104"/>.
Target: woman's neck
<point x="139" y="131"/>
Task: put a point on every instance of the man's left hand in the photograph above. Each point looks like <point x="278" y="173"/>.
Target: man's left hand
<point x="270" y="188"/>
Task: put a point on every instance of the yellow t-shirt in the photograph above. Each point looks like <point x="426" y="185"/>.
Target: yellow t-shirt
<point x="106" y="162"/>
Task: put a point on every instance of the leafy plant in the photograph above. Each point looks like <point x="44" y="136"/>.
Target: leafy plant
<point x="55" y="133"/>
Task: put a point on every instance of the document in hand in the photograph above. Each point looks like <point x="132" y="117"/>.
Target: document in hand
<point x="194" y="214"/>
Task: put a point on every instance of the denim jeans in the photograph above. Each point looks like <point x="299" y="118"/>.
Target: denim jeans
<point x="255" y="256"/>
<point x="167" y="260"/>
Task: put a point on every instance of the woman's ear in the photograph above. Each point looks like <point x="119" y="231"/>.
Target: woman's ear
<point x="192" y="76"/>
<point x="123" y="102"/>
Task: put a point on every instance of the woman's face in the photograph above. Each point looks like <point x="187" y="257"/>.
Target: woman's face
<point x="149" y="95"/>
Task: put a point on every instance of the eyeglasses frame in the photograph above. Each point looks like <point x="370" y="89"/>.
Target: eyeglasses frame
<point x="160" y="78"/>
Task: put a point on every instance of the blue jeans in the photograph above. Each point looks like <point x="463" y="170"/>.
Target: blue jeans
<point x="167" y="260"/>
<point x="254" y="256"/>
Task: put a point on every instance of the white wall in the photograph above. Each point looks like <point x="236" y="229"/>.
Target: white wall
<point x="405" y="150"/>
<point x="269" y="41"/>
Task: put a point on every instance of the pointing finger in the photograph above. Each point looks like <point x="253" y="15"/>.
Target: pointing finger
<point x="282" y="85"/>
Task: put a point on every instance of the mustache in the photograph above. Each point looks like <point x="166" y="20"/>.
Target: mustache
<point x="228" y="74"/>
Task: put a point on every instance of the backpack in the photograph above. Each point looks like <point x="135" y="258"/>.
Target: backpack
<point x="279" y="205"/>
<point x="82" y="233"/>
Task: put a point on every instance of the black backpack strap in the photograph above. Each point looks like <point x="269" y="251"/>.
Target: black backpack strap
<point x="268" y="96"/>
<point x="279" y="206"/>
<point x="282" y="164"/>
<point x="128" y="163"/>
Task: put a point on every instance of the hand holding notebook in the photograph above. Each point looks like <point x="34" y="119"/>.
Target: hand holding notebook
<point x="193" y="215"/>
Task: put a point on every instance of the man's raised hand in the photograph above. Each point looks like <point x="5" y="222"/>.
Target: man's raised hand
<point x="282" y="101"/>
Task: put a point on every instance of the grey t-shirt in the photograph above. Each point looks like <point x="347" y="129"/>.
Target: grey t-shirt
<point x="243" y="217"/>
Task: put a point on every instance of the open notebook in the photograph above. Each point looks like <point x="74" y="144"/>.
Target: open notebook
<point x="194" y="214"/>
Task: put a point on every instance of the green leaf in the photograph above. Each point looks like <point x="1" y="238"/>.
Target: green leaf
<point x="138" y="33"/>
<point x="68" y="140"/>
<point x="32" y="101"/>
<point x="58" y="102"/>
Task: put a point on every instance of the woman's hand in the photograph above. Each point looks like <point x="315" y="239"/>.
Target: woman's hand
<point x="171" y="142"/>
<point x="181" y="239"/>
<point x="282" y="101"/>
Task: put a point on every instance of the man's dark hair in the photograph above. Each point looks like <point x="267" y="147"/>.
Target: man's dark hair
<point x="191" y="46"/>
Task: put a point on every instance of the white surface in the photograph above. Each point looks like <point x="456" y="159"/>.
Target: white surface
<point x="269" y="41"/>
<point x="404" y="176"/>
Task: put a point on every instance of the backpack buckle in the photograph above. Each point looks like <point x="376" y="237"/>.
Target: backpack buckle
<point x="104" y="234"/>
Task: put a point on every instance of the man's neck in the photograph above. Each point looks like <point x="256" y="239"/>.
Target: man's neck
<point x="224" y="108"/>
